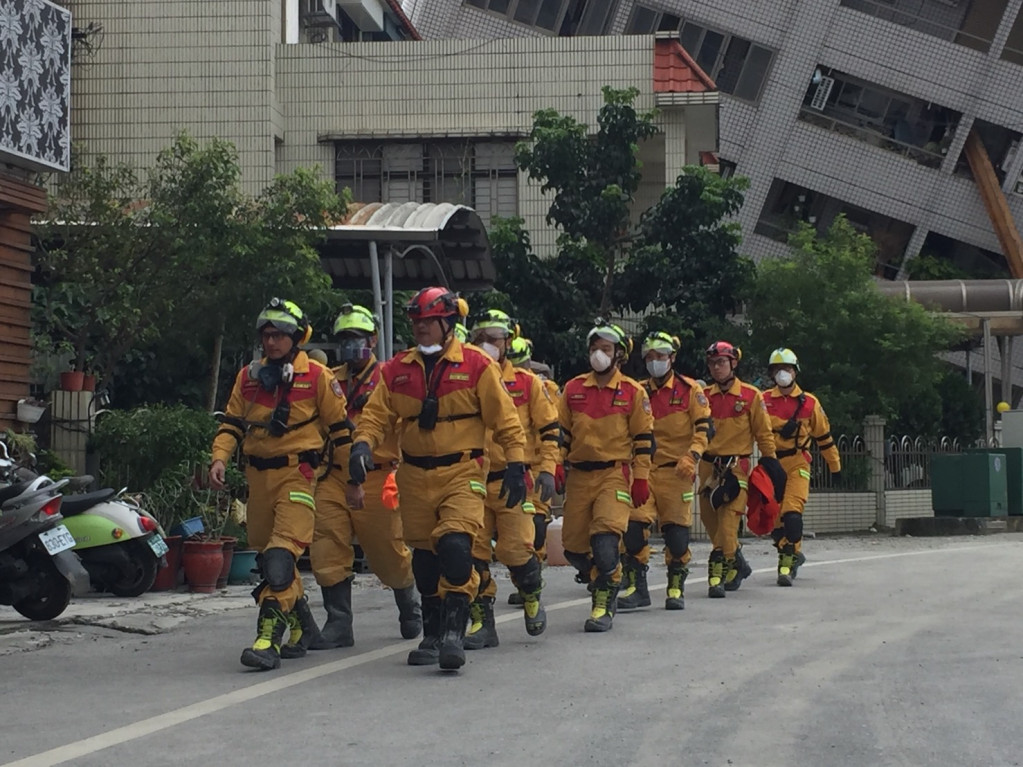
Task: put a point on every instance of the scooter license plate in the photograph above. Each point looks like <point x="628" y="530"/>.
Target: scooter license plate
<point x="57" y="540"/>
<point x="157" y="545"/>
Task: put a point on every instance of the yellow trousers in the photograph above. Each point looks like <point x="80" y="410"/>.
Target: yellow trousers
<point x="722" y="524"/>
<point x="797" y="490"/>
<point x="671" y="503"/>
<point x="595" y="502"/>
<point x="377" y="528"/>
<point x="514" y="529"/>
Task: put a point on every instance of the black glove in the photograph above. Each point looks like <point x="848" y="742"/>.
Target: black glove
<point x="359" y="462"/>
<point x="545" y="481"/>
<point x="514" y="484"/>
<point x="777" y="474"/>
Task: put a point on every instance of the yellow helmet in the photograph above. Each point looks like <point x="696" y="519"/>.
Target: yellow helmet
<point x="659" y="341"/>
<point x="520" y="351"/>
<point x="461" y="333"/>
<point x="495" y="319"/>
<point x="610" y="332"/>
<point x="783" y="356"/>
<point x="355" y="319"/>
<point x="288" y="318"/>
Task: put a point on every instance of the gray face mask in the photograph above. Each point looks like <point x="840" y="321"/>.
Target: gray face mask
<point x="353" y="350"/>
<point x="658" y="368"/>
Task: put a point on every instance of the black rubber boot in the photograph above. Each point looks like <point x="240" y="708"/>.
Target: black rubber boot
<point x="602" y="610"/>
<point x="337" y="631"/>
<point x="456" y="613"/>
<point x="482" y="630"/>
<point x="786" y="555"/>
<point x="716" y="575"/>
<point x="798" y="560"/>
<point x="637" y="594"/>
<point x="302" y="630"/>
<point x="428" y="651"/>
<point x="737" y="570"/>
<point x="265" y="653"/>
<point x="676" y="598"/>
<point x="410" y="616"/>
<point x="534" y="613"/>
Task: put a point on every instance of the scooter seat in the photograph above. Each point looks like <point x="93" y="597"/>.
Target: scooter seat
<point x="12" y="491"/>
<point x="76" y="504"/>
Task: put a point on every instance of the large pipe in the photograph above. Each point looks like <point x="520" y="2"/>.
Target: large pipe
<point x="989" y="405"/>
<point x="963" y="296"/>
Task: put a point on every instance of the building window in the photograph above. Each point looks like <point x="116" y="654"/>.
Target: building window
<point x="970" y="24"/>
<point x="479" y="174"/>
<point x="588" y="18"/>
<point x="547" y="15"/>
<point x="1013" y="51"/>
<point x="737" y="66"/>
<point x="897" y="122"/>
<point x="788" y="205"/>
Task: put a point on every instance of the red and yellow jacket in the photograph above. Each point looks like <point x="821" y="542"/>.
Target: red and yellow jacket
<point x="358" y="387"/>
<point x="681" y="418"/>
<point x="539" y="417"/>
<point x="810" y="422"/>
<point x="609" y="423"/>
<point x="471" y="399"/>
<point x="318" y="410"/>
<point x="740" y="418"/>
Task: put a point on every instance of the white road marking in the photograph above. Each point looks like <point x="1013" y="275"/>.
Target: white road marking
<point x="178" y="716"/>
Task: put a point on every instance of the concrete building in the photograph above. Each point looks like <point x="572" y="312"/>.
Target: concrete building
<point x="346" y="86"/>
<point x="858" y="106"/>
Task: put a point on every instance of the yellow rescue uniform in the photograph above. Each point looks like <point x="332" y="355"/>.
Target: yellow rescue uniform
<point x="440" y="477"/>
<point x="377" y="527"/>
<point x="739" y="418"/>
<point x="608" y="442"/>
<point x="796" y="419"/>
<point x="681" y="425"/>
<point x="281" y="469"/>
<point x="514" y="527"/>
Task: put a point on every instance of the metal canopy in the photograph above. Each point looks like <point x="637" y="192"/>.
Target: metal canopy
<point x="420" y="244"/>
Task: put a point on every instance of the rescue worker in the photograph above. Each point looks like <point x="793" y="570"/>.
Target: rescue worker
<point x="520" y="353"/>
<point x="279" y="411"/>
<point x="739" y="420"/>
<point x="681" y="430"/>
<point x="513" y="528"/>
<point x="796" y="418"/>
<point x="377" y="527"/>
<point x="608" y="446"/>
<point x="447" y="394"/>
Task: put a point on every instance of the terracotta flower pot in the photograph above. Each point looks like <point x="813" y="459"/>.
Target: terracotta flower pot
<point x="225" y="569"/>
<point x="167" y="577"/>
<point x="88" y="382"/>
<point x="202" y="561"/>
<point x="72" y="380"/>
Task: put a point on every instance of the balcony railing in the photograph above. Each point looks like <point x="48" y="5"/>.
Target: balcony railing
<point x="916" y="20"/>
<point x="873" y="137"/>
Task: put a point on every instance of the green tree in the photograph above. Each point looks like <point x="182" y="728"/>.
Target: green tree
<point x="161" y="274"/>
<point x="860" y="351"/>
<point x="594" y="178"/>
<point x="686" y="272"/>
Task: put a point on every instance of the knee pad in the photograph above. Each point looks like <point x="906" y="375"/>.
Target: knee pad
<point x="278" y="566"/>
<point x="580" y="562"/>
<point x="792" y="523"/>
<point x="635" y="537"/>
<point x="426" y="571"/>
<point x="605" y="552"/>
<point x="526" y="577"/>
<point x="676" y="538"/>
<point x="454" y="551"/>
<point x="539" y="531"/>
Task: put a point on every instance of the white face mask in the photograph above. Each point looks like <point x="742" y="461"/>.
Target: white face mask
<point x="491" y="350"/>
<point x="599" y="361"/>
<point x="783" y="378"/>
<point x="658" y="368"/>
<point x="428" y="350"/>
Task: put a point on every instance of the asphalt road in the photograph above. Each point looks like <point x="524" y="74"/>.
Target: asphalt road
<point x="885" y="652"/>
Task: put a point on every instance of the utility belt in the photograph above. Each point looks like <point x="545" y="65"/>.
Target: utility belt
<point x="496" y="475"/>
<point x="439" y="461"/>
<point x="792" y="451"/>
<point x="666" y="465"/>
<point x="724" y="459"/>
<point x="311" y="457"/>
<point x="592" y="465"/>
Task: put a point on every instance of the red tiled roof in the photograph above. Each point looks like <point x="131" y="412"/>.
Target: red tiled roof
<point x="405" y="21"/>
<point x="676" y="72"/>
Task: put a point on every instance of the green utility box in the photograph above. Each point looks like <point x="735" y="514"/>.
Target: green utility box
<point x="969" y="485"/>
<point x="1013" y="475"/>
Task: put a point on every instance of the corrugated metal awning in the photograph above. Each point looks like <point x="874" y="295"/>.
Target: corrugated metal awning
<point x="434" y="243"/>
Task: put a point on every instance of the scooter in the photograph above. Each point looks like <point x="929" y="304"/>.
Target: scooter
<point x="119" y="543"/>
<point x="38" y="570"/>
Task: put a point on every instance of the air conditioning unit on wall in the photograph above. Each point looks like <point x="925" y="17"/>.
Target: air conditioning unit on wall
<point x="319" y="13"/>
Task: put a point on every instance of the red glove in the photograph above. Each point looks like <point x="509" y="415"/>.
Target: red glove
<point x="559" y="478"/>
<point x="640" y="492"/>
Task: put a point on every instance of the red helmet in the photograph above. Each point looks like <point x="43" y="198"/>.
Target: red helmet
<point x="723" y="349"/>
<point x="432" y="302"/>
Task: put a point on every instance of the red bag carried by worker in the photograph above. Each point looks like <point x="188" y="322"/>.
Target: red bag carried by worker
<point x="761" y="508"/>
